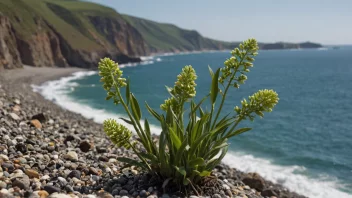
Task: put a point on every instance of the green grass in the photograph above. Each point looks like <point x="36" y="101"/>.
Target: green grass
<point x="168" y="37"/>
<point x="67" y="17"/>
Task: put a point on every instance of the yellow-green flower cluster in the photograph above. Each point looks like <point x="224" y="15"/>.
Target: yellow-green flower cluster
<point x="111" y="74"/>
<point x="185" y="86"/>
<point x="242" y="59"/>
<point x="184" y="89"/>
<point x="262" y="101"/>
<point x="171" y="102"/>
<point x="117" y="133"/>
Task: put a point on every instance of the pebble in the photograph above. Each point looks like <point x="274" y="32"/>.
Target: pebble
<point x="71" y="155"/>
<point x="74" y="173"/>
<point x="85" y="146"/>
<point x="14" y="116"/>
<point x="51" y="189"/>
<point x="32" y="173"/>
<point x="123" y="192"/>
<point x="22" y="183"/>
<point x="57" y="195"/>
<point x="36" y="124"/>
<point x="2" y="184"/>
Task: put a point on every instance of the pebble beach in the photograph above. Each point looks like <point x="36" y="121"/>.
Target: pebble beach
<point x="48" y="151"/>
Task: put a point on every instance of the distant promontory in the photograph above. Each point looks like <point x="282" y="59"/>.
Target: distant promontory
<point x="283" y="45"/>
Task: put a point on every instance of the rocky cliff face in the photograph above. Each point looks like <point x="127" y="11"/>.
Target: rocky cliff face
<point x="120" y="34"/>
<point x="32" y="38"/>
<point x="49" y="48"/>
<point x="42" y="48"/>
<point x="9" y="55"/>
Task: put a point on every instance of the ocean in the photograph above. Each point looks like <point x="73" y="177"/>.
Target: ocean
<point x="305" y="144"/>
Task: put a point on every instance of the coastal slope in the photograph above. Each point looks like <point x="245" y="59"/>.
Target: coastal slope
<point x="67" y="33"/>
<point x="64" y="33"/>
<point x="164" y="37"/>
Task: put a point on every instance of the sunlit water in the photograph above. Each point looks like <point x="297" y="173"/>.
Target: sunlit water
<point x="304" y="144"/>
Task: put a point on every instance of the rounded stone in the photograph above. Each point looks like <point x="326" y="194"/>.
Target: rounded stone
<point x="123" y="192"/>
<point x="51" y="189"/>
<point x="32" y="173"/>
<point x="85" y="146"/>
<point x="71" y="155"/>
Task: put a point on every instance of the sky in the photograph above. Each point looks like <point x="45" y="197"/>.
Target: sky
<point x="322" y="21"/>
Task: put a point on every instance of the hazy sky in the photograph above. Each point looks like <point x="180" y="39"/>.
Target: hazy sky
<point x="324" y="21"/>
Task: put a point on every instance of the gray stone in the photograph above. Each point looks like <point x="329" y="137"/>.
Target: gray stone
<point x="57" y="195"/>
<point x="74" y="173"/>
<point x="71" y="155"/>
<point x="22" y="183"/>
<point x="14" y="116"/>
<point x="62" y="180"/>
<point x="216" y="196"/>
<point x="2" y="185"/>
<point x="51" y="189"/>
<point x="123" y="192"/>
<point x="143" y="193"/>
<point x="150" y="189"/>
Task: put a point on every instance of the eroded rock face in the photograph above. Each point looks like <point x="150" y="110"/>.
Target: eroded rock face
<point x="42" y="49"/>
<point x="125" y="38"/>
<point x="9" y="55"/>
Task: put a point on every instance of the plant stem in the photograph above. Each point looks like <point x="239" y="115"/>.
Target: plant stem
<point x="223" y="99"/>
<point x="137" y="126"/>
<point x="227" y="88"/>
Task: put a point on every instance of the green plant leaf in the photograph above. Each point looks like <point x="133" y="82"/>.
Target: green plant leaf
<point x="195" y="162"/>
<point x="149" y="136"/>
<point x="174" y="138"/>
<point x="132" y="162"/>
<point x="150" y="157"/>
<point x="204" y="173"/>
<point x="210" y="71"/>
<point x="186" y="181"/>
<point x="181" y="170"/>
<point x="181" y="150"/>
<point x="214" y="86"/>
<point x="153" y="112"/>
<point x="237" y="132"/>
<point x="166" y="182"/>
<point x="127" y="121"/>
<point x="135" y="108"/>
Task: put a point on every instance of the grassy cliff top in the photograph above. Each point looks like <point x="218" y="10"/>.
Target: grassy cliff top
<point x="168" y="37"/>
<point x="67" y="17"/>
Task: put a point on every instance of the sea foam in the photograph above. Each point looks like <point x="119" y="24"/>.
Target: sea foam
<point x="289" y="176"/>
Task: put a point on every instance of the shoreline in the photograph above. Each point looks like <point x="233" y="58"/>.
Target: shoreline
<point x="17" y="84"/>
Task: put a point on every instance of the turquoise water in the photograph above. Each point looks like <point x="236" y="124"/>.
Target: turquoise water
<point x="309" y="132"/>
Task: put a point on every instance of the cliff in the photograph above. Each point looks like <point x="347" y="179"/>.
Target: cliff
<point x="64" y="33"/>
<point x="77" y="33"/>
